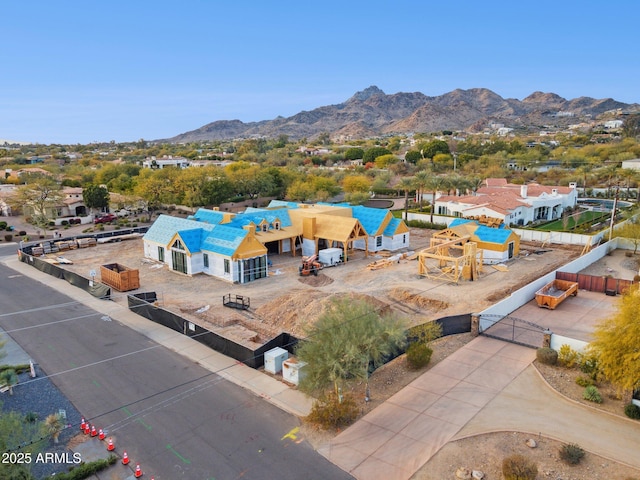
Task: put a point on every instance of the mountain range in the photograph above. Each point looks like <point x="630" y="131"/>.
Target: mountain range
<point x="371" y="112"/>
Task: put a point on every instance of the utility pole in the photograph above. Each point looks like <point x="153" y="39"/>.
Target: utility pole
<point x="613" y="212"/>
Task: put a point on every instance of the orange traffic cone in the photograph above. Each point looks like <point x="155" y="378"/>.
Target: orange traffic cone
<point x="138" y="472"/>
<point x="125" y="458"/>
<point x="101" y="434"/>
<point x="94" y="432"/>
<point x="111" y="447"/>
<point x="87" y="429"/>
<point x="82" y="424"/>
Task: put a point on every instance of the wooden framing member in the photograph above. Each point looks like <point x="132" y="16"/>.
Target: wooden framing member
<point x="437" y="263"/>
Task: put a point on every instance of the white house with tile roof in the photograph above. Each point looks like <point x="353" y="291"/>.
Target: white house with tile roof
<point x="513" y="204"/>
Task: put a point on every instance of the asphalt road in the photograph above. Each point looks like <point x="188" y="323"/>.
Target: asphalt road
<point x="175" y="418"/>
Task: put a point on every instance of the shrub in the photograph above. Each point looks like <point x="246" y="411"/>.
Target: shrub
<point x="584" y="381"/>
<point x="592" y="394"/>
<point x="571" y="453"/>
<point x="86" y="470"/>
<point x="22" y="233"/>
<point x="631" y="410"/>
<point x="518" y="467"/>
<point x="588" y="363"/>
<point x="3" y="225"/>
<point x="8" y="237"/>
<point x="329" y="413"/>
<point x="31" y="417"/>
<point x="418" y="355"/>
<point x="64" y="222"/>
<point x="547" y="355"/>
<point x="567" y="356"/>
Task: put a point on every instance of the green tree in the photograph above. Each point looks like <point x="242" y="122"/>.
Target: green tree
<point x="406" y="184"/>
<point x="15" y="431"/>
<point x="96" y="196"/>
<point x="371" y="154"/>
<point x="432" y="148"/>
<point x="39" y="199"/>
<point x="349" y="338"/>
<point x="354" y="153"/>
<point x="616" y="341"/>
<point x="412" y="156"/>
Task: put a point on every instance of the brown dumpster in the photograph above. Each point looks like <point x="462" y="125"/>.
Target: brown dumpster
<point x="120" y="277"/>
<point x="552" y="294"/>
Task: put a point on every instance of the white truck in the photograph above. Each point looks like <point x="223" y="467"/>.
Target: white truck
<point x="330" y="257"/>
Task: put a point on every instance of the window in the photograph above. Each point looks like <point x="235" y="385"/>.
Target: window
<point x="379" y="241"/>
<point x="404" y="238"/>
<point x="265" y="227"/>
<point x="161" y="254"/>
<point x="205" y="259"/>
<point x="276" y="225"/>
<point x="227" y="266"/>
<point x="178" y="245"/>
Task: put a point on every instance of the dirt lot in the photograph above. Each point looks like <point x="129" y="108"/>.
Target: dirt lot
<point x="287" y="302"/>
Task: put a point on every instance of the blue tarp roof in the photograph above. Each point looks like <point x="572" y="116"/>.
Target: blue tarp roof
<point x="371" y="219"/>
<point x="391" y="228"/>
<point x="258" y="214"/>
<point x="208" y="216"/>
<point x="224" y="240"/>
<point x="484" y="233"/>
<point x="166" y="226"/>
<point x="192" y="239"/>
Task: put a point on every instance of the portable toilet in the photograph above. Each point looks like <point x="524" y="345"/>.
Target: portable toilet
<point x="273" y="359"/>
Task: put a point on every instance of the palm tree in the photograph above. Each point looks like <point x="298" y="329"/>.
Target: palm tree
<point x="435" y="185"/>
<point x="9" y="378"/>
<point x="406" y="184"/>
<point x="475" y="183"/>
<point x="421" y="182"/>
<point x="53" y="426"/>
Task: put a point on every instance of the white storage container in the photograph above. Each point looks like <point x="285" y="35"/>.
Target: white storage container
<point x="330" y="256"/>
<point x="293" y="371"/>
<point x="273" y="359"/>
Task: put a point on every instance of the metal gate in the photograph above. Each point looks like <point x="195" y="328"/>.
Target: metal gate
<point x="512" y="329"/>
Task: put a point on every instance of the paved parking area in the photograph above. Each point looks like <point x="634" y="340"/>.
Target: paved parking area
<point x="575" y="317"/>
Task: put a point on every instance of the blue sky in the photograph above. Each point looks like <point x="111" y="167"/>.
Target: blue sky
<point x="79" y="72"/>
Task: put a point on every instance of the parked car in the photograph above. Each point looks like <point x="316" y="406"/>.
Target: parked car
<point x="105" y="218"/>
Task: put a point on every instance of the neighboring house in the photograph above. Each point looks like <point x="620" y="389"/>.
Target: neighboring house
<point x="73" y="203"/>
<point x="633" y="164"/>
<point x="165" y="161"/>
<point x="195" y="245"/>
<point x="513" y="204"/>
<point x="613" y="124"/>
<point x="497" y="244"/>
<point x="6" y="192"/>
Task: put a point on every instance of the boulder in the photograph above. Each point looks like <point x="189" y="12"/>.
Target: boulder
<point x="477" y="475"/>
<point x="531" y="443"/>
<point x="463" y="473"/>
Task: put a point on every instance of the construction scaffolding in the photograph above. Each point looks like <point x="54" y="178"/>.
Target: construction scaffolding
<point x="450" y="259"/>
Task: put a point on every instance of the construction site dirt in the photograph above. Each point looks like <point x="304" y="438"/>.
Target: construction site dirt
<point x="289" y="302"/>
